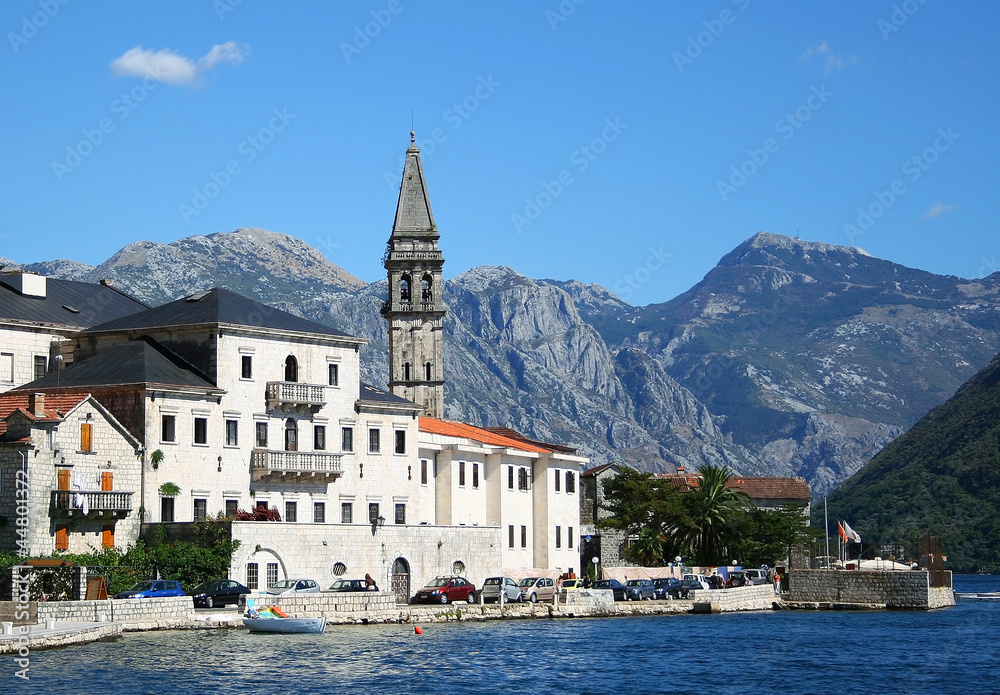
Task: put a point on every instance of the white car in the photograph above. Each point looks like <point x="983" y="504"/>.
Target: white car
<point x="501" y="590"/>
<point x="700" y="578"/>
<point x="293" y="586"/>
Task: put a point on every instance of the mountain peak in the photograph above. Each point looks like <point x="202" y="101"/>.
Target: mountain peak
<point x="768" y="242"/>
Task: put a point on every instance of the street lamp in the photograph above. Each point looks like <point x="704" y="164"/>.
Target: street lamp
<point x="380" y="521"/>
<point x="596" y="560"/>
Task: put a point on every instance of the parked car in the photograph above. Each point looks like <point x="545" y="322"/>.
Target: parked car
<point x="446" y="590"/>
<point x="639" y="590"/>
<point x="156" y="588"/>
<point x="662" y="587"/>
<point x="500" y="590"/>
<point x="616" y="586"/>
<point x="700" y="578"/>
<point x="737" y="579"/>
<point x="218" y="592"/>
<point x="293" y="586"/>
<point x="756" y="576"/>
<point x="572" y="584"/>
<point x="537" y="589"/>
<point x="349" y="585"/>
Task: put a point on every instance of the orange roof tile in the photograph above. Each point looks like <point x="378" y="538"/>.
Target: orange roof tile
<point x="757" y="488"/>
<point x="464" y="431"/>
<point x="56" y="405"/>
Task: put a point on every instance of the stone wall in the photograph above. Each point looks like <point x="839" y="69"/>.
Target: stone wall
<point x="744" y="598"/>
<point x="908" y="590"/>
<point x="133" y="610"/>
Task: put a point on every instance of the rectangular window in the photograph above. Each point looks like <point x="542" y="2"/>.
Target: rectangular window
<point x="347" y="439"/>
<point x="232" y="433"/>
<point x="107" y="536"/>
<point x="86" y="437"/>
<point x="475" y="476"/>
<point x="334" y="374"/>
<point x="200" y="510"/>
<point x="510" y="477"/>
<point x="510" y="536"/>
<point x="558" y="537"/>
<point x="291" y="511"/>
<point x="252" y="575"/>
<point x="7" y="367"/>
<point x="319" y="437"/>
<point x="201" y="430"/>
<point x="346" y="513"/>
<point x="166" y="510"/>
<point x="272" y="573"/>
<point x="461" y="473"/>
<point x="373" y="512"/>
<point x="168" y="428"/>
<point x="62" y="537"/>
<point x="374" y="441"/>
<point x="262" y="505"/>
<point x="261" y="435"/>
<point x="558" y="475"/>
<point x="523" y="482"/>
<point x="319" y="512"/>
<point x="400" y="441"/>
<point x="524" y="536"/>
<point x="423" y="471"/>
<point x="400" y="513"/>
<point x="246" y="367"/>
<point x="569" y="537"/>
<point x="41" y="365"/>
<point x="570" y="482"/>
<point x="232" y="506"/>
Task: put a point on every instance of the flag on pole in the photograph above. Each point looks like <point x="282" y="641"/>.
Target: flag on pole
<point x="851" y="533"/>
<point x="841" y="532"/>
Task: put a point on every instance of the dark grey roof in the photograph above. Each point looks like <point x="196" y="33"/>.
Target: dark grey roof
<point x="370" y="393"/>
<point x="217" y="306"/>
<point x="413" y="209"/>
<point x="135" y="362"/>
<point x="68" y="303"/>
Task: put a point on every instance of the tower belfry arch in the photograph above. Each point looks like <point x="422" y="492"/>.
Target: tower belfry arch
<point x="415" y="308"/>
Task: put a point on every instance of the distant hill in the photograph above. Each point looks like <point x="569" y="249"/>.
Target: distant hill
<point x="941" y="477"/>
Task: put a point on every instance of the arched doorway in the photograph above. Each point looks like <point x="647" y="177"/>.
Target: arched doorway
<point x="291" y="368"/>
<point x="401" y="580"/>
<point x="291" y="435"/>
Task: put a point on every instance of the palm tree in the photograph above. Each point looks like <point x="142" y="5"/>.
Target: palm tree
<point x="712" y="509"/>
<point x="647" y="549"/>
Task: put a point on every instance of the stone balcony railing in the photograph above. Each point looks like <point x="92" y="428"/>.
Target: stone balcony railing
<point x="304" y="466"/>
<point x="97" y="503"/>
<point x="291" y="395"/>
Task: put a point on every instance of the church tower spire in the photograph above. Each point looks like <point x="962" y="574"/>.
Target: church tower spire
<point x="415" y="308"/>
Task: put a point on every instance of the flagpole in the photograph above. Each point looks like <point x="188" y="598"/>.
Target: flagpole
<point x="826" y="524"/>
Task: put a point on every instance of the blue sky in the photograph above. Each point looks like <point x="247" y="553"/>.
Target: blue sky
<point x="628" y="144"/>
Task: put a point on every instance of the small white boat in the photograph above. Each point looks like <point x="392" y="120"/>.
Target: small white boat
<point x="980" y="596"/>
<point x="286" y="625"/>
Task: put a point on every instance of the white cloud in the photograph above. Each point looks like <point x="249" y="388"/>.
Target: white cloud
<point x="833" y="60"/>
<point x="938" y="209"/>
<point x="167" y="66"/>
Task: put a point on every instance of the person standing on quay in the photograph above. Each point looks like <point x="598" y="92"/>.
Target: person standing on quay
<point x="777" y="583"/>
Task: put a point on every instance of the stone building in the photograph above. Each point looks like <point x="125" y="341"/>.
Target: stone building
<point x="67" y="462"/>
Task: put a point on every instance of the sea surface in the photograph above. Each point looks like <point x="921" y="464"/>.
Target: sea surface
<point x="953" y="650"/>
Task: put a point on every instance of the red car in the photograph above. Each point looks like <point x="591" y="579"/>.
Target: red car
<point x="446" y="590"/>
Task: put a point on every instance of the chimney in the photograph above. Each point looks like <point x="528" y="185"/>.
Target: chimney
<point x="680" y="470"/>
<point x="24" y="283"/>
<point x="36" y="404"/>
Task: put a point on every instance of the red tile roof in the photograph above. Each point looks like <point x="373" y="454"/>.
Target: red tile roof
<point x="478" y="434"/>
<point x="514" y="434"/>
<point x="56" y="405"/>
<point x="757" y="488"/>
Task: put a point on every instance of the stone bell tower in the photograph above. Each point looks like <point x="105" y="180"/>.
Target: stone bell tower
<point x="415" y="308"/>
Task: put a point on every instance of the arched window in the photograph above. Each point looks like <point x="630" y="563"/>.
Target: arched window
<point x="425" y="289"/>
<point x="291" y="368"/>
<point x="291" y="435"/>
<point x="427" y="372"/>
<point x="406" y="371"/>
<point x="404" y="288"/>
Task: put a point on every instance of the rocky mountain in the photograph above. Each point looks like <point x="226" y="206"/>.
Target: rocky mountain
<point x="942" y="477"/>
<point x="789" y="358"/>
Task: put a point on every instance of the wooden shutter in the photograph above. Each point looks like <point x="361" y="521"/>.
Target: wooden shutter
<point x="62" y="479"/>
<point x="86" y="437"/>
<point x="62" y="537"/>
<point x="108" y="536"/>
<point x="107" y="481"/>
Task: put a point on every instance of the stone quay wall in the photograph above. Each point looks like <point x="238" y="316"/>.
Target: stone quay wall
<point x="902" y="590"/>
<point x="743" y="598"/>
<point x="130" y="610"/>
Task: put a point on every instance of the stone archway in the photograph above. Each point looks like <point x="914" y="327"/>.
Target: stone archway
<point x="401" y="580"/>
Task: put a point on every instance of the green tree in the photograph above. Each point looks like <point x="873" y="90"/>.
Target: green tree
<point x="708" y="531"/>
<point x="637" y="501"/>
<point x="764" y="536"/>
<point x="648" y="549"/>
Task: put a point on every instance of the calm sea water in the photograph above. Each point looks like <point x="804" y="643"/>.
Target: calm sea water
<point x="947" y="651"/>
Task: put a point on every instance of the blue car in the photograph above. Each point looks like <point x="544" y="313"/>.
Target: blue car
<point x="155" y="588"/>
